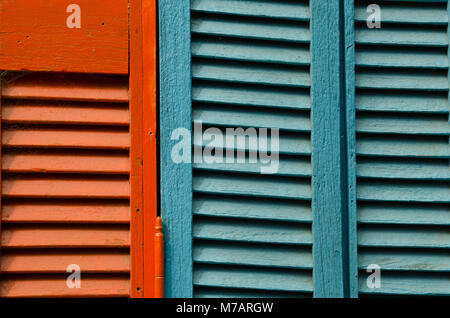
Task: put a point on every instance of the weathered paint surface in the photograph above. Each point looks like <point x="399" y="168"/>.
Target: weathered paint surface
<point x="35" y="37"/>
<point x="329" y="179"/>
<point x="74" y="148"/>
<point x="350" y="113"/>
<point x="175" y="112"/>
<point x="57" y="210"/>
<point x="402" y="147"/>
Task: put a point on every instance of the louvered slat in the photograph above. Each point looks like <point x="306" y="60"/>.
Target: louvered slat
<point x="65" y="187"/>
<point x="250" y="69"/>
<point x="403" y="150"/>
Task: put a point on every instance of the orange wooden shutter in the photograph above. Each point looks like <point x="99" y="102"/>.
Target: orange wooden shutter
<point x="74" y="129"/>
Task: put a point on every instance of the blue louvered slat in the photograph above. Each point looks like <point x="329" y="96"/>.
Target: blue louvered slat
<point x="250" y="68"/>
<point x="403" y="151"/>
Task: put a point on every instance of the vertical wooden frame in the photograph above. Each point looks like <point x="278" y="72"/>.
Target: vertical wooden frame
<point x="329" y="150"/>
<point x="143" y="155"/>
<point x="136" y="149"/>
<point x="176" y="112"/>
<point x="350" y="111"/>
<point x="149" y="134"/>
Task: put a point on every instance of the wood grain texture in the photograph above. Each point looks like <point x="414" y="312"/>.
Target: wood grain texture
<point x="47" y="112"/>
<point x="112" y="261"/>
<point x="176" y="112"/>
<point x="51" y="211"/>
<point x="329" y="179"/>
<point x="350" y="119"/>
<point x="403" y="148"/>
<point x="150" y="151"/>
<point x="32" y="31"/>
<point x="66" y="162"/>
<point x="136" y="151"/>
<point x="250" y="68"/>
<point x="21" y="237"/>
<point x="65" y="87"/>
<point x="51" y="286"/>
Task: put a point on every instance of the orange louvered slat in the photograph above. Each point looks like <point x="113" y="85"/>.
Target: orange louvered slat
<point x="51" y="286"/>
<point x="66" y="162"/>
<point x="65" y="185"/>
<point x="63" y="211"/>
<point x="55" y="261"/>
<point x="76" y="113"/>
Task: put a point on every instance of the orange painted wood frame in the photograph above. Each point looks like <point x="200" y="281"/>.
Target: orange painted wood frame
<point x="35" y="36"/>
<point x="143" y="128"/>
<point x="137" y="57"/>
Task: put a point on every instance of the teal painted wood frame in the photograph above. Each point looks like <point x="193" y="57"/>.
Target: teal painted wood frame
<point x="350" y="113"/>
<point x="175" y="112"/>
<point x="330" y="179"/>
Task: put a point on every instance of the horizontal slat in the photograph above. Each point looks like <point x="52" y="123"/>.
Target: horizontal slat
<point x="75" y="236"/>
<point x="214" y="292"/>
<point x="66" y="87"/>
<point x="253" y="255"/>
<point x="261" y="8"/>
<point x="57" y="262"/>
<point x="432" y="214"/>
<point x="388" y="169"/>
<point x="261" y="232"/>
<point x="254" y="279"/>
<point x="409" y="284"/>
<point x="438" y="192"/>
<point x="402" y="102"/>
<point x="250" y="28"/>
<point x="296" y="167"/>
<point x="66" y="138"/>
<point x="411" y="58"/>
<point x="229" y="116"/>
<point x="386" y="123"/>
<point x="250" y="73"/>
<point x="65" y="113"/>
<point x="46" y="187"/>
<point x="256" y="51"/>
<point x="57" y="287"/>
<point x="292" y="144"/>
<point x="418" y="13"/>
<point x="66" y="162"/>
<point x="405" y="260"/>
<point x="401" y="80"/>
<point x="252" y="209"/>
<point x="408" y="236"/>
<point x="397" y="147"/>
<point x="402" y="36"/>
<point x="263" y="186"/>
<point x="65" y="212"/>
<point x="251" y="96"/>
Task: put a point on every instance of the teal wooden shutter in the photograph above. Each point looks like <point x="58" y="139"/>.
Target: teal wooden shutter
<point x="250" y="68"/>
<point x="364" y="163"/>
<point x="402" y="147"/>
<point x="230" y="230"/>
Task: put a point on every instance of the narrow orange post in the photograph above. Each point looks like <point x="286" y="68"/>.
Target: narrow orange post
<point x="159" y="259"/>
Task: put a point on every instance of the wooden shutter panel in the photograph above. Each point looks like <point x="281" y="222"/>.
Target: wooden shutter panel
<point x="403" y="152"/>
<point x="65" y="189"/>
<point x="74" y="145"/>
<point x="250" y="68"/>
